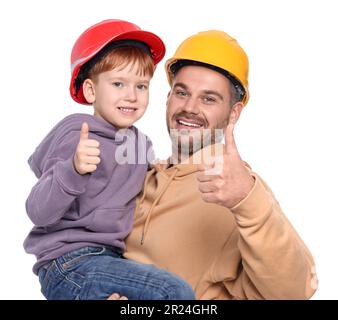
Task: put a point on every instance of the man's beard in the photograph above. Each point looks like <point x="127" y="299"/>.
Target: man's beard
<point x="186" y="142"/>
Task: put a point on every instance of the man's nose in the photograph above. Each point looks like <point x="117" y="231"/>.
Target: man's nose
<point x="191" y="106"/>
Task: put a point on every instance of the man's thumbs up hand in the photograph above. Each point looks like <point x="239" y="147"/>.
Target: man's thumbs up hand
<point x="227" y="181"/>
<point x="87" y="153"/>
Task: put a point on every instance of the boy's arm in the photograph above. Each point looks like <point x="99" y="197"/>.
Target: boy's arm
<point x="272" y="260"/>
<point x="55" y="191"/>
<point x="65" y="176"/>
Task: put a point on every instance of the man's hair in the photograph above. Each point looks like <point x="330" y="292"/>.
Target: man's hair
<point x="120" y="58"/>
<point x="237" y="91"/>
<point x="235" y="95"/>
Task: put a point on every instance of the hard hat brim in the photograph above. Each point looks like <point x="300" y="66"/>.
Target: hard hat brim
<point x="155" y="43"/>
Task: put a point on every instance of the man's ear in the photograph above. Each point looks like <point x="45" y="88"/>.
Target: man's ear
<point x="168" y="95"/>
<point x="89" y="90"/>
<point x="236" y="110"/>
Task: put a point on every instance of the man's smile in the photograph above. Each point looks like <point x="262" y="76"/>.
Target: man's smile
<point x="186" y="123"/>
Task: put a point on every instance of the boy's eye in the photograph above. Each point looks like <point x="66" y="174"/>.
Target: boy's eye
<point x="142" y="87"/>
<point x="117" y="84"/>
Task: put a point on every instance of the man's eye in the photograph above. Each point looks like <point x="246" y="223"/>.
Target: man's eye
<point x="209" y="99"/>
<point x="181" y="93"/>
<point x="117" y="84"/>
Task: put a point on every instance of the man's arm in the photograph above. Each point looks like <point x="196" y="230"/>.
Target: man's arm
<point x="273" y="262"/>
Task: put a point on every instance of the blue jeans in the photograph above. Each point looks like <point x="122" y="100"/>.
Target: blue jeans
<point x="94" y="273"/>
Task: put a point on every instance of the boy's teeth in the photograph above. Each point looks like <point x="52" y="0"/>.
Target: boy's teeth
<point x="127" y="109"/>
<point x="189" y="124"/>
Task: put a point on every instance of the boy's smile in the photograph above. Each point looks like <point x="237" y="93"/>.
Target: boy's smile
<point x="120" y="96"/>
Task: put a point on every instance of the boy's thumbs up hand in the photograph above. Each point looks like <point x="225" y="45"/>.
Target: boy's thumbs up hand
<point x="87" y="153"/>
<point x="84" y="134"/>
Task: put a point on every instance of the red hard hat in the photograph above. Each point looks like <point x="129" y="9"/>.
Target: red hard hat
<point x="98" y="36"/>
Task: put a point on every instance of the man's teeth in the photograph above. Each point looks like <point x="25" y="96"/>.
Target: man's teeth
<point x="188" y="124"/>
<point x="127" y="109"/>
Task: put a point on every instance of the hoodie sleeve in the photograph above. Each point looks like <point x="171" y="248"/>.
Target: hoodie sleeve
<point x="57" y="187"/>
<point x="272" y="260"/>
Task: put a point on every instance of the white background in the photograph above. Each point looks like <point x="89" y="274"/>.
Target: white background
<point x="287" y="132"/>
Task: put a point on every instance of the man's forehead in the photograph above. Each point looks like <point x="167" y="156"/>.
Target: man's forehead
<point x="200" y="78"/>
<point x="198" y="71"/>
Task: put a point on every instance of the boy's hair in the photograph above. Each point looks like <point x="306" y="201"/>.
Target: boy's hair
<point x="120" y="58"/>
<point x="116" y="58"/>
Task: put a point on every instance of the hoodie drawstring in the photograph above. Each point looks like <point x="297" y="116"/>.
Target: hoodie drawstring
<point x="165" y="187"/>
<point x="149" y="174"/>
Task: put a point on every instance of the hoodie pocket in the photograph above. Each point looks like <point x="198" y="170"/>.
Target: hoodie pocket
<point x="111" y="220"/>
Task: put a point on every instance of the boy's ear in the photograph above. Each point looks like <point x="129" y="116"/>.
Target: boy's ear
<point x="89" y="90"/>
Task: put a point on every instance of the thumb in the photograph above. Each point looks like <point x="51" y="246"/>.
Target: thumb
<point x="84" y="134"/>
<point x="229" y="134"/>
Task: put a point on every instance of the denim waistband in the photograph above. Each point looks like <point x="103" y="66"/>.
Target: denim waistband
<point x="89" y="251"/>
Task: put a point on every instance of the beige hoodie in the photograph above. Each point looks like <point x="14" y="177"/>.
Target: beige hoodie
<point x="250" y="251"/>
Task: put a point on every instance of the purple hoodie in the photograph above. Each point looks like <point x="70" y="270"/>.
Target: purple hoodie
<point x="70" y="210"/>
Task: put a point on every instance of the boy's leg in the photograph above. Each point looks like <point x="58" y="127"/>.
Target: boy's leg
<point x="134" y="280"/>
<point x="96" y="273"/>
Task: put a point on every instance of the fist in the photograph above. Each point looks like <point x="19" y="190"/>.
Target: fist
<point x="87" y="152"/>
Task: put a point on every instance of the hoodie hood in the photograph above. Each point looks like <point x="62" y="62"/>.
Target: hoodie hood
<point x="190" y="165"/>
<point x="65" y="133"/>
<point x="177" y="172"/>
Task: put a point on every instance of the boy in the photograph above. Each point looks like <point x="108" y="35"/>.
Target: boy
<point x="83" y="204"/>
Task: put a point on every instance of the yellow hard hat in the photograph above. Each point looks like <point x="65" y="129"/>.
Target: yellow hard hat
<point x="217" y="50"/>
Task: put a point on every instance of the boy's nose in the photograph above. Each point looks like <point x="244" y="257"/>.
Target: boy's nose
<point x="131" y="95"/>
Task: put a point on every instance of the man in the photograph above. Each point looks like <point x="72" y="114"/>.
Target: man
<point x="216" y="224"/>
